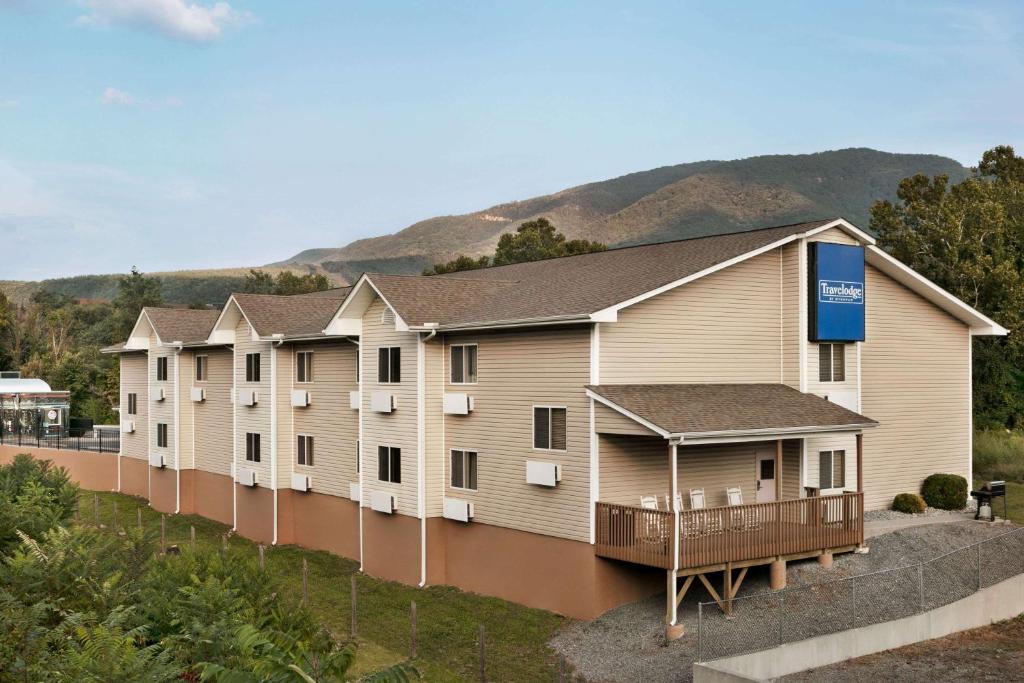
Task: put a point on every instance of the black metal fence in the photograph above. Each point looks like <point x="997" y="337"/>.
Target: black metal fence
<point x="95" y="440"/>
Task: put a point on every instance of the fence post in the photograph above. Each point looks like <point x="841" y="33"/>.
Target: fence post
<point x="138" y="513"/>
<point x="700" y="631"/>
<point x="483" y="656"/>
<point x="781" y="610"/>
<point x="305" y="581"/>
<point x="979" y="566"/>
<point x="163" y="532"/>
<point x="192" y="536"/>
<point x="262" y="557"/>
<point x="354" y="605"/>
<point x="412" y="621"/>
<point x="920" y="584"/>
<point x="115" y="516"/>
<point x="224" y="543"/>
<point x="854" y="602"/>
<point x="96" y="509"/>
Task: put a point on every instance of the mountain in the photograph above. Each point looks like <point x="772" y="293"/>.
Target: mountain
<point x="672" y="202"/>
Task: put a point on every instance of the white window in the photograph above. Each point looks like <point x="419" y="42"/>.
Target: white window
<point x="463" y="470"/>
<point x="161" y="369"/>
<point x="304" y="367"/>
<point x="389" y="464"/>
<point x="252" y="367"/>
<point x="831" y="362"/>
<point x="202" y="368"/>
<point x="831" y="469"/>
<point x="133" y="403"/>
<point x="389" y="365"/>
<point x="161" y="435"/>
<point x="463" y="364"/>
<point x="549" y="428"/>
<point x="304" y="450"/>
<point x="252" y="447"/>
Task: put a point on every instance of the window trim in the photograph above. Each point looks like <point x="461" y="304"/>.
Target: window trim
<point x="309" y="447"/>
<point x="161" y="368"/>
<point x="831" y="362"/>
<point x="533" y="428"/>
<point x="465" y="470"/>
<point x="390" y="454"/>
<point x="451" y="364"/>
<point x="252" y="369"/>
<point x="298" y="363"/>
<point x="831" y="469"/>
<point x="205" y="365"/>
<point x="390" y="365"/>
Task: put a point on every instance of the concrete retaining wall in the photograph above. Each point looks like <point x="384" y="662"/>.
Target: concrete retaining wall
<point x="1002" y="601"/>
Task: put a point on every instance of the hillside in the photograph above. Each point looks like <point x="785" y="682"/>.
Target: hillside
<point x="666" y="203"/>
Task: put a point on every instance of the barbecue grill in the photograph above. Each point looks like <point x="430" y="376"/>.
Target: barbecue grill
<point x="986" y="494"/>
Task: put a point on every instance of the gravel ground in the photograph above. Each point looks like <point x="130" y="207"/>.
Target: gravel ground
<point x="891" y="515"/>
<point x="992" y="653"/>
<point x="627" y="643"/>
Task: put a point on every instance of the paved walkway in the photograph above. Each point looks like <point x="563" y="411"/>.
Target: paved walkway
<point x="883" y="526"/>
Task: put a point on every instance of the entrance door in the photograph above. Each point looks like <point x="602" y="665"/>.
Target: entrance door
<point x="765" y="476"/>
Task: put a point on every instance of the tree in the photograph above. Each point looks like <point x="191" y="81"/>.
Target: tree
<point x="532" y="241"/>
<point x="969" y="239"/>
<point x="286" y="282"/>
<point x="135" y="291"/>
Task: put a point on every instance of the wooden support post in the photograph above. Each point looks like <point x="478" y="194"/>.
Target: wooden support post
<point x="778" y="469"/>
<point x="412" y="625"/>
<point x="163" y="533"/>
<point x="711" y="590"/>
<point x="777" y="575"/>
<point x="115" y="516"/>
<point x="727" y="588"/>
<point x="138" y="515"/>
<point x="192" y="536"/>
<point x="96" y="509"/>
<point x="686" y="586"/>
<point x="354" y="595"/>
<point x="263" y="558"/>
<point x="860" y="463"/>
<point x="305" y="581"/>
<point x="483" y="662"/>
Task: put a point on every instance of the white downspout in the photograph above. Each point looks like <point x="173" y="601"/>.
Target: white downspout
<point x="177" y="427"/>
<point x="149" y="428"/>
<point x="421" y="502"/>
<point x="273" y="425"/>
<point x="359" y="449"/>
<point x="234" y="440"/>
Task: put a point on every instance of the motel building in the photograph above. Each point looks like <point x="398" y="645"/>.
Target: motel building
<point x="571" y="434"/>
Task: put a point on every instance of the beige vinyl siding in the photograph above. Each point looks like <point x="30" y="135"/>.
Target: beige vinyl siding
<point x="518" y="370"/>
<point x="213" y="417"/>
<point x="791" y="487"/>
<point x="286" y="446"/>
<point x="790" y="324"/>
<point x="632" y="467"/>
<point x="397" y="429"/>
<point x="328" y="418"/>
<point x="724" y="327"/>
<point x="832" y="442"/>
<point x="436" y="463"/>
<point x="162" y="412"/>
<point x="836" y="235"/>
<point x="253" y="418"/>
<point x="849" y="384"/>
<point x="134" y="380"/>
<point x="609" y="421"/>
<point x="916" y="383"/>
<point x="186" y="374"/>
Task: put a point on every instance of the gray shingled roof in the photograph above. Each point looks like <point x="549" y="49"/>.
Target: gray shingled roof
<point x="568" y="287"/>
<point x="296" y="315"/>
<point x="715" y="408"/>
<point x="182" y="324"/>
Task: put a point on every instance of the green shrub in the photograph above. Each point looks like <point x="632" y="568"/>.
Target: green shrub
<point x="999" y="454"/>
<point x="945" y="491"/>
<point x="909" y="503"/>
<point x="34" y="498"/>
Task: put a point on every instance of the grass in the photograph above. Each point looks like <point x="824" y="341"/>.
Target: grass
<point x="999" y="454"/>
<point x="448" y="619"/>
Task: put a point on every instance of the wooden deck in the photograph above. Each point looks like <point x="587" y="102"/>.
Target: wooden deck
<point x="717" y="536"/>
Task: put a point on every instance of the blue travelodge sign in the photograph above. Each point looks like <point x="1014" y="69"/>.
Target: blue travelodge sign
<point x="836" y="291"/>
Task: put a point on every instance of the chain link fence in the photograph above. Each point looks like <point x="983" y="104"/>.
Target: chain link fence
<point x="767" y="620"/>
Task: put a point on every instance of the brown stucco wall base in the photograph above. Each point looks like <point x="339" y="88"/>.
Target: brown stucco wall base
<point x="540" y="571"/>
<point x="212" y="496"/>
<point x="93" y="471"/>
<point x="391" y="546"/>
<point x="135" y="477"/>
<point x="255" y="513"/>
<point x="162" y="487"/>
<point x="321" y="522"/>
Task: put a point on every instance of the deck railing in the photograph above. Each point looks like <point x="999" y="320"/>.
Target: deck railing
<point x="715" y="536"/>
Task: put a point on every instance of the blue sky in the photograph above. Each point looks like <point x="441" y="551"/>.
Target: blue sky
<point x="175" y="134"/>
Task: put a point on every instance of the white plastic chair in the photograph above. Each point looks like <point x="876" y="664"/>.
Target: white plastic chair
<point x="734" y="495"/>
<point x="649" y="502"/>
<point x="697" y="501"/>
<point x="679" y="502"/>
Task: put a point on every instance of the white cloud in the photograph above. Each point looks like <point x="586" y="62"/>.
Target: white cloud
<point x="117" y="97"/>
<point x="9" y="104"/>
<point x="178" y="19"/>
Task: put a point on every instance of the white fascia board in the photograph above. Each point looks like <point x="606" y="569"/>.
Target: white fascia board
<point x="355" y="305"/>
<point x="763" y="434"/>
<point x="979" y="323"/>
<point x="138" y="339"/>
<point x="632" y="416"/>
<point x="845" y="226"/>
<point x="224" y="329"/>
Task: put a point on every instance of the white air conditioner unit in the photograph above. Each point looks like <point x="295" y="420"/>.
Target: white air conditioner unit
<point x="458" y="509"/>
<point x="158" y="395"/>
<point x="354" y="398"/>
<point x="156" y="459"/>
<point x="353" y="491"/>
<point x="248" y="397"/>
<point x="300" y="398"/>
<point x="383" y="402"/>
<point x="543" y="473"/>
<point x="382" y="501"/>
<point x="127" y="426"/>
<point x="301" y="482"/>
<point x="245" y="476"/>
<point x="458" y="404"/>
<point x="198" y="394"/>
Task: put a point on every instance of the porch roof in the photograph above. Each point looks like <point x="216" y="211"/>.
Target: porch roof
<point x="700" y="411"/>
